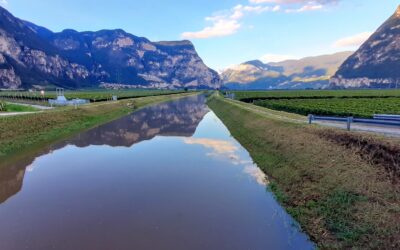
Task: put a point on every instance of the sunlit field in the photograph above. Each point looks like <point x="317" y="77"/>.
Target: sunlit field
<point x="358" y="103"/>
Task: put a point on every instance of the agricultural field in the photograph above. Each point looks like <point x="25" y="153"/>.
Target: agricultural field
<point x="357" y="107"/>
<point x="92" y="95"/>
<point x="315" y="94"/>
<point x="357" y="103"/>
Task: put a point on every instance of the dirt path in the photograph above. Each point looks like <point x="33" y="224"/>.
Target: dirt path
<point x="16" y="113"/>
<point x="41" y="107"/>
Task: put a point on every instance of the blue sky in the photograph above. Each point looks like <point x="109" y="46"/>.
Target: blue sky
<point x="225" y="32"/>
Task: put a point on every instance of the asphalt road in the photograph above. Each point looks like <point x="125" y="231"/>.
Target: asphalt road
<point x="391" y="131"/>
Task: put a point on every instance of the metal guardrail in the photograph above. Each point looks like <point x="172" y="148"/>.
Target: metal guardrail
<point x="230" y="96"/>
<point x="390" y="120"/>
<point x="387" y="117"/>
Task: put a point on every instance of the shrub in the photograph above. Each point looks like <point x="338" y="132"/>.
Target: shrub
<point x="3" y="106"/>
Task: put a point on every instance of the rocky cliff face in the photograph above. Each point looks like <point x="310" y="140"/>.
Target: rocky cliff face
<point x="32" y="55"/>
<point x="309" y="72"/>
<point x="377" y="63"/>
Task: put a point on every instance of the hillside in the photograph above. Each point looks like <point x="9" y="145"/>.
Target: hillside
<point x="31" y="55"/>
<point x="376" y="64"/>
<point x="309" y="72"/>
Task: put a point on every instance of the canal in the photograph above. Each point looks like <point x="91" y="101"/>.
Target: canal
<point x="168" y="176"/>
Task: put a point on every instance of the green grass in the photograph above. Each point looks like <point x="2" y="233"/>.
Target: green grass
<point x="11" y="107"/>
<point x="339" y="210"/>
<point x="336" y="107"/>
<point x="340" y="199"/>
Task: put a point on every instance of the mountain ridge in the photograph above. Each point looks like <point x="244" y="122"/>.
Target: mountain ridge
<point x="32" y="55"/>
<point x="307" y="72"/>
<point x="376" y="63"/>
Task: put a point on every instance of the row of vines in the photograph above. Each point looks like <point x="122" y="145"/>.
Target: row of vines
<point x="336" y="107"/>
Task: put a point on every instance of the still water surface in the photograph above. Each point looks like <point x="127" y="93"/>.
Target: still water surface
<point x="169" y="176"/>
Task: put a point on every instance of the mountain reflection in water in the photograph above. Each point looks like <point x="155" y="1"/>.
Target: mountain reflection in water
<point x="177" y="118"/>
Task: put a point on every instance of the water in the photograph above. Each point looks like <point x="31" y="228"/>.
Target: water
<point x="169" y="176"/>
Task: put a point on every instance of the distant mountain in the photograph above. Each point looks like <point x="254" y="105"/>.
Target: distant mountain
<point x="377" y="63"/>
<point x="309" y="72"/>
<point x="33" y="55"/>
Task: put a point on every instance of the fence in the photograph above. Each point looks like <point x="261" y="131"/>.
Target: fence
<point x="387" y="120"/>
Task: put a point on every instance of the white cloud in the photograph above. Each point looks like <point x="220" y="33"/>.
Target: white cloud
<point x="306" y="7"/>
<point x="3" y="3"/>
<point x="276" y="8"/>
<point x="219" y="28"/>
<point x="228" y="22"/>
<point x="352" y="41"/>
<point x="268" y="58"/>
<point x="297" y="6"/>
<point x="294" y="1"/>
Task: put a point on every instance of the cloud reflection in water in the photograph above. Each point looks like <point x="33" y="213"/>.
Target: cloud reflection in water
<point x="224" y="149"/>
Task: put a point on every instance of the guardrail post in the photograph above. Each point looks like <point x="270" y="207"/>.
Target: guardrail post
<point x="310" y="119"/>
<point x="349" y="121"/>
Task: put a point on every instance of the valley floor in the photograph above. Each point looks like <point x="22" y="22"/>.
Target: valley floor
<point x="343" y="188"/>
<point x="24" y="134"/>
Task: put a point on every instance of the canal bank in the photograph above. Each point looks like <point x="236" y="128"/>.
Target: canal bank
<point x="341" y="198"/>
<point x="20" y="135"/>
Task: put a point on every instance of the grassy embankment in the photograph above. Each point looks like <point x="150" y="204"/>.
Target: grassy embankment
<point x="344" y="193"/>
<point x="11" y="107"/>
<point x="20" y="134"/>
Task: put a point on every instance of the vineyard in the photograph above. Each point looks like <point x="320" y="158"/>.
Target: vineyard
<point x="93" y="96"/>
<point x="366" y="107"/>
<point x="249" y="96"/>
<point x="357" y="103"/>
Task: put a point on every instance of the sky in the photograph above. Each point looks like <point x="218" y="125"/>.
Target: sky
<point x="224" y="32"/>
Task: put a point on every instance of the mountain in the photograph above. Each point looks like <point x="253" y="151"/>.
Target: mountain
<point x="376" y="64"/>
<point x="309" y="72"/>
<point x="31" y="55"/>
